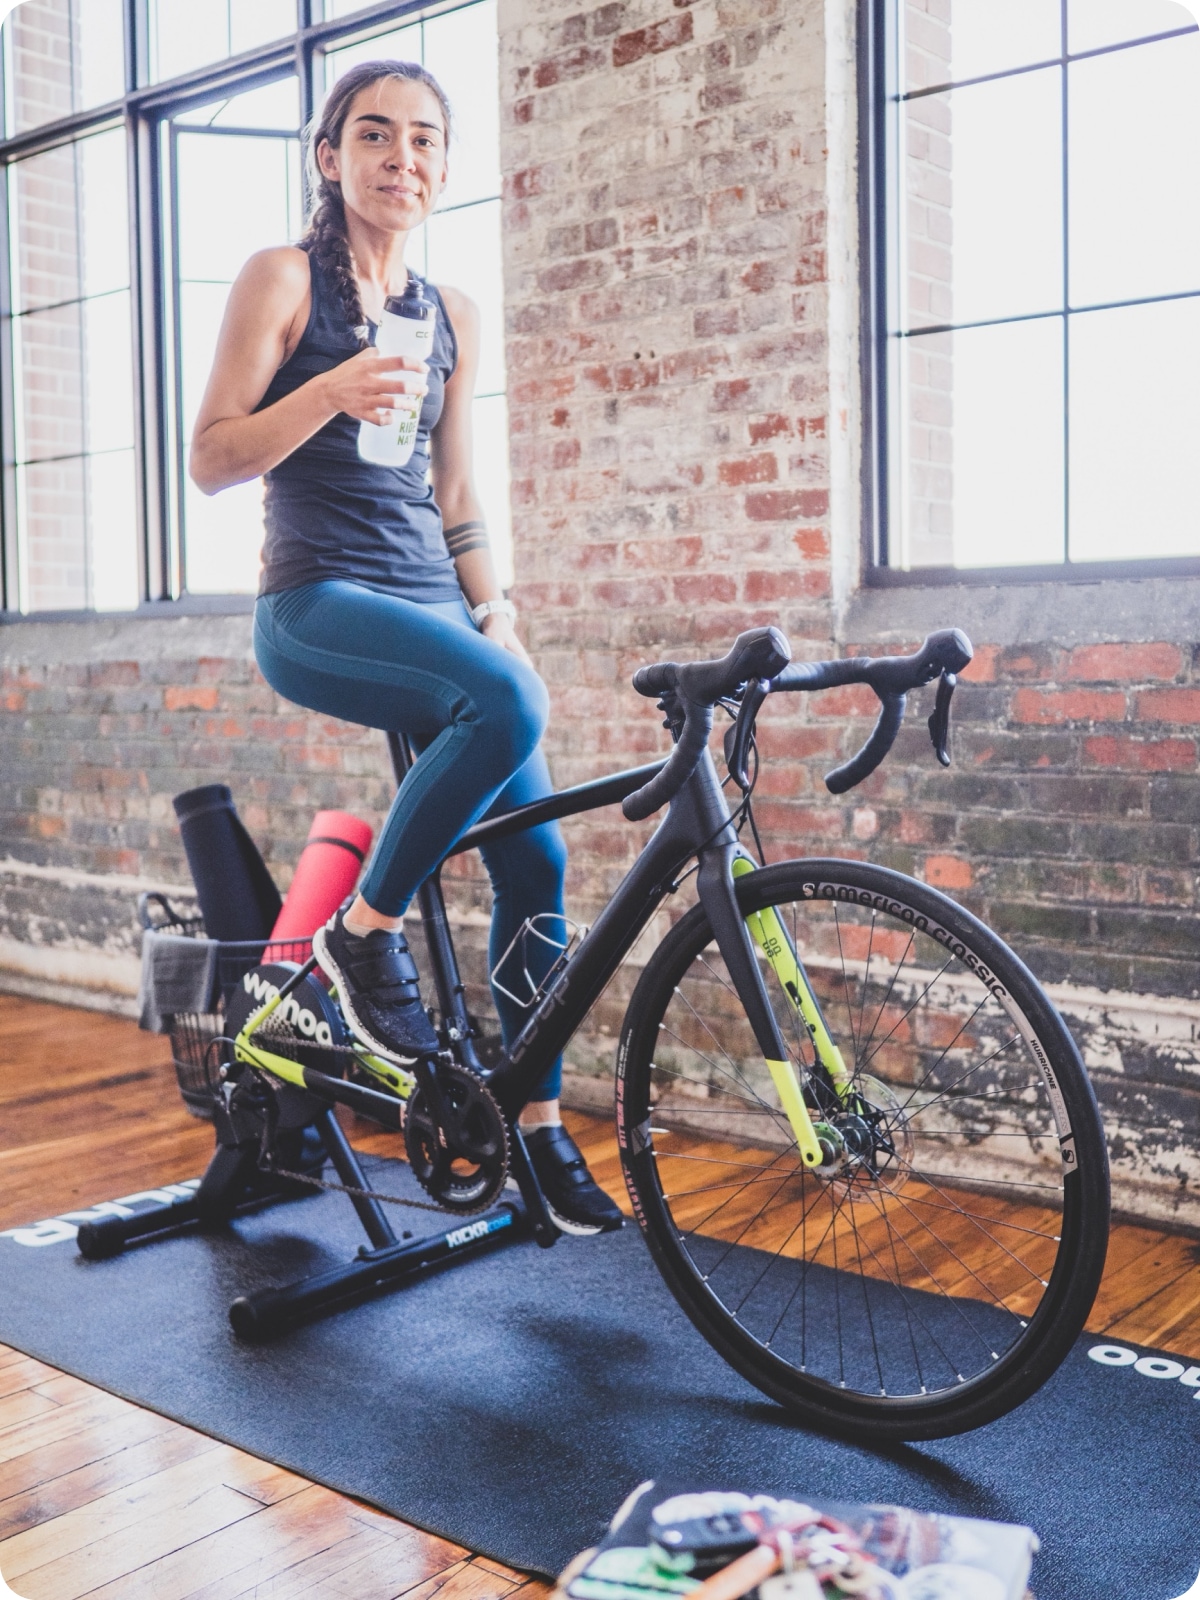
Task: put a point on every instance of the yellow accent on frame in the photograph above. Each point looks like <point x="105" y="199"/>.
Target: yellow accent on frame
<point x="773" y="940"/>
<point x="792" y="1102"/>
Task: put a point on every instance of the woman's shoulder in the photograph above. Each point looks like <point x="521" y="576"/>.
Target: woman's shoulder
<point x="285" y="266"/>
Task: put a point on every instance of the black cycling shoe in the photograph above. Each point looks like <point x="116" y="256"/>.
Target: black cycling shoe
<point x="377" y="986"/>
<point x="576" y="1202"/>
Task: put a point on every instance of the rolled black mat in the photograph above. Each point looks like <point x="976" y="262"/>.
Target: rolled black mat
<point x="238" y="897"/>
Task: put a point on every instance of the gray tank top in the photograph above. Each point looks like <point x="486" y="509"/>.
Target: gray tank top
<point x="328" y="513"/>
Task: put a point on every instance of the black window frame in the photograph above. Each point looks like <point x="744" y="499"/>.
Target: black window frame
<point x="878" y="87"/>
<point x="142" y="110"/>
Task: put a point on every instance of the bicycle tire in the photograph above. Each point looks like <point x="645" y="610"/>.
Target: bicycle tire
<point x="979" y="1271"/>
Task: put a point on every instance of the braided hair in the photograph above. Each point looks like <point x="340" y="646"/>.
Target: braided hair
<point x="326" y="239"/>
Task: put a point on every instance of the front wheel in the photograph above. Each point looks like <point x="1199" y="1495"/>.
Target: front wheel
<point x="935" y="1269"/>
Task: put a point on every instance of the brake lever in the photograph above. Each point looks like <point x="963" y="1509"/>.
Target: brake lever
<point x="939" y="722"/>
<point x="737" y="738"/>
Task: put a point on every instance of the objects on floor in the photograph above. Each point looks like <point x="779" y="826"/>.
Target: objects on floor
<point x="668" y="1543"/>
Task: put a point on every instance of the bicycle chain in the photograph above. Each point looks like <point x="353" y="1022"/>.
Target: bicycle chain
<point x="349" y="1188"/>
<point x="287" y="1038"/>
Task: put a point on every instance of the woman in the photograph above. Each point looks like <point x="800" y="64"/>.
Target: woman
<point x="378" y="602"/>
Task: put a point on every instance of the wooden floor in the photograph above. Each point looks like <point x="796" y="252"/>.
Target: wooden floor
<point x="101" y="1498"/>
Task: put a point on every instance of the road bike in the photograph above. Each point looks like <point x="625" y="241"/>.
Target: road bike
<point x="856" y="1134"/>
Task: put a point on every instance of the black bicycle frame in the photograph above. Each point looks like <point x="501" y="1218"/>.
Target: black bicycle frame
<point x="698" y="824"/>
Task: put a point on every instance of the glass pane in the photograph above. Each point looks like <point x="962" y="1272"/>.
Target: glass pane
<point x="71" y="222"/>
<point x="255" y="22"/>
<point x="62" y="56"/>
<point x="403" y="44"/>
<point x="108" y="373"/>
<point x="201" y="306"/>
<point x="224" y="539"/>
<point x="49" y="383"/>
<point x="52" y="522"/>
<point x="490" y="418"/>
<point x="73" y="377"/>
<point x="112" y="513"/>
<point x="186" y="34"/>
<point x="1135" y="172"/>
<point x="970" y="38"/>
<point x="223" y="532"/>
<point x="461" y="50"/>
<point x="275" y="106"/>
<point x="104" y="207"/>
<point x="233" y="199"/>
<point x="1091" y="24"/>
<point x="981" y="481"/>
<point x="253" y="186"/>
<point x="464" y="250"/>
<point x="1135" y="420"/>
<point x="984" y="196"/>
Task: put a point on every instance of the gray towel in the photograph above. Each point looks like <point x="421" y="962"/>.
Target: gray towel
<point x="178" y="974"/>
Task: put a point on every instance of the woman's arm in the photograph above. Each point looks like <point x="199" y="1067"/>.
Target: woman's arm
<point x="263" y="324"/>
<point x="453" y="479"/>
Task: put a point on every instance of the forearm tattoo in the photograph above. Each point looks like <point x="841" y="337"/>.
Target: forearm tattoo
<point x="464" y="537"/>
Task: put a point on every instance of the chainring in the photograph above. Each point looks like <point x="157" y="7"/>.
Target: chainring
<point x="464" y="1168"/>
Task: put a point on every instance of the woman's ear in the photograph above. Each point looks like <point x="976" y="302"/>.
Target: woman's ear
<point x="327" y="161"/>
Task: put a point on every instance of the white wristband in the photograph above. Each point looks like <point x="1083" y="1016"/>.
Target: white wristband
<point x="491" y="608"/>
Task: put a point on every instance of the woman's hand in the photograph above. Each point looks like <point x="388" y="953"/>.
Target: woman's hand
<point x="370" y="386"/>
<point x="499" y="629"/>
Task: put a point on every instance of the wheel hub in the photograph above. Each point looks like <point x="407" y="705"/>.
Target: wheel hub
<point x="868" y="1146"/>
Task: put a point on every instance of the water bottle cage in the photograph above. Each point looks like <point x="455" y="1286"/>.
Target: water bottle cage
<point x="534" y="939"/>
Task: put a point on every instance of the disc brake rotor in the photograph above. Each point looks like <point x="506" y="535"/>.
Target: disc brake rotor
<point x="876" y="1140"/>
<point x="462" y="1166"/>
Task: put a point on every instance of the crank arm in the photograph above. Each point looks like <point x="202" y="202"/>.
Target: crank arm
<point x="540" y="1220"/>
<point x="398" y="1079"/>
<point x="718" y="896"/>
<point x="776" y="944"/>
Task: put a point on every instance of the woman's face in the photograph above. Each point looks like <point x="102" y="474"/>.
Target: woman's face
<point x="391" y="161"/>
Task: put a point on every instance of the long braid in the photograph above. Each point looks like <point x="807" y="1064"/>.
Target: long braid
<point x="326" y="238"/>
<point x="327" y="243"/>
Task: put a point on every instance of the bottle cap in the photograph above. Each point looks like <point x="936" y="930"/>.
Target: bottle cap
<point x="412" y="303"/>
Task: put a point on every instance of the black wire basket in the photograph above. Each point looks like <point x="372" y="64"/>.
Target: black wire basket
<point x="196" y="1057"/>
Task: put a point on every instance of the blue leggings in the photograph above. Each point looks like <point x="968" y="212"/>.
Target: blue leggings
<point x="475" y="711"/>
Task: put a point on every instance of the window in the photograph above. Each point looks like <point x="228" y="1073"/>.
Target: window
<point x="149" y="147"/>
<point x="236" y="159"/>
<point x="1037" y="282"/>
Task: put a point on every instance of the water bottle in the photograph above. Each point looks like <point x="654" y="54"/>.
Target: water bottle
<point x="405" y="329"/>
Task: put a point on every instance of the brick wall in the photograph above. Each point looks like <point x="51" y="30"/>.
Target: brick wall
<point x="674" y="186"/>
<point x="666" y="281"/>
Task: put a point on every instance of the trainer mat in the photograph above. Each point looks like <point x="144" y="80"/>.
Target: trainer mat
<point x="512" y="1402"/>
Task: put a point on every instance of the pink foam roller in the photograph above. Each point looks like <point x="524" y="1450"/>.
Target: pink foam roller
<point x="325" y="874"/>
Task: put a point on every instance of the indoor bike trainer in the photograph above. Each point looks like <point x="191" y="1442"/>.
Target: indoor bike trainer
<point x="246" y="1172"/>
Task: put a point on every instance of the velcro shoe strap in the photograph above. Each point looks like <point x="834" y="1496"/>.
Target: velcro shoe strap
<point x="385" y="967"/>
<point x="567" y="1152"/>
